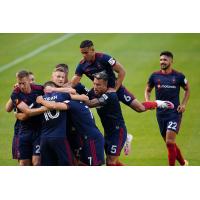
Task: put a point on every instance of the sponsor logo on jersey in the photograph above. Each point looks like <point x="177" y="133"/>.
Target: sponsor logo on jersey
<point x="112" y="61"/>
<point x="173" y="80"/>
<point x="168" y="86"/>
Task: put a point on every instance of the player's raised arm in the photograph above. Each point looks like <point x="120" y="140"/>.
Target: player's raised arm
<point x="121" y="74"/>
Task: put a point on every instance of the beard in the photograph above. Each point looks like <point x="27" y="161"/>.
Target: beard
<point x="164" y="66"/>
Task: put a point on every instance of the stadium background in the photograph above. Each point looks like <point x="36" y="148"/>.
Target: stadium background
<point x="139" y="53"/>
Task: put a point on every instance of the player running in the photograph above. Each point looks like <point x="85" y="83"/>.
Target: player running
<point x="167" y="83"/>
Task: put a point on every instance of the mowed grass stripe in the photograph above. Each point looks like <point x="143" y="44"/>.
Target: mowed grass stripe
<point x="35" y="52"/>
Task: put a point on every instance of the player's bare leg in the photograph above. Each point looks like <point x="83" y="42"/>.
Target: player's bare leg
<point x="36" y="160"/>
<point x="113" y="161"/>
<point x="137" y="106"/>
<point x="149" y="105"/>
<point x="26" y="162"/>
<point x="127" y="145"/>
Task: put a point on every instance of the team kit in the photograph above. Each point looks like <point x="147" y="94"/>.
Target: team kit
<point x="55" y="126"/>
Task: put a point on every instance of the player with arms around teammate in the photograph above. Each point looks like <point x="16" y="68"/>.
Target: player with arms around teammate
<point x="29" y="135"/>
<point x="109" y="111"/>
<point x="167" y="83"/>
<point x="55" y="149"/>
<point x="93" y="143"/>
<point x="9" y="108"/>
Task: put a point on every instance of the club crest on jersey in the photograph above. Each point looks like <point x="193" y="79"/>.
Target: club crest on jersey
<point x="173" y="80"/>
<point x="158" y="83"/>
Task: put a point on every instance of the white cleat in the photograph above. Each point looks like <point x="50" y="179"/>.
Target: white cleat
<point x="186" y="163"/>
<point x="165" y="104"/>
<point x="127" y="145"/>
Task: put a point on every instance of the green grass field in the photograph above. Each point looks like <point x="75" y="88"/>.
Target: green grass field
<point x="139" y="53"/>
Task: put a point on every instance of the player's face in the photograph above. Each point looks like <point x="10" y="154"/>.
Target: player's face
<point x="24" y="84"/>
<point x="32" y="78"/>
<point x="165" y="62"/>
<point x="58" y="78"/>
<point x="100" y="86"/>
<point x="88" y="53"/>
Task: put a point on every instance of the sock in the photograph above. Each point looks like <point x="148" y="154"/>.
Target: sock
<point x="149" y="105"/>
<point x="171" y="154"/>
<point x="179" y="156"/>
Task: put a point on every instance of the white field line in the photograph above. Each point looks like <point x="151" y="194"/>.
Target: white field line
<point x="35" y="52"/>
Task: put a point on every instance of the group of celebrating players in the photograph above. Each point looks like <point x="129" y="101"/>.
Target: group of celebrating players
<point x="54" y="123"/>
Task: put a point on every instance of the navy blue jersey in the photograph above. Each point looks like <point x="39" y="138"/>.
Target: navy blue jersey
<point x="167" y="88"/>
<point x="83" y="119"/>
<point x="54" y="123"/>
<point x="102" y="62"/>
<point x="18" y="96"/>
<point x="81" y="89"/>
<point x="110" y="111"/>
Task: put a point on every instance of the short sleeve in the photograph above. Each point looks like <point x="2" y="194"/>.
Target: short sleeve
<point x="183" y="80"/>
<point x="14" y="98"/>
<point x="109" y="60"/>
<point x="79" y="70"/>
<point x="150" y="82"/>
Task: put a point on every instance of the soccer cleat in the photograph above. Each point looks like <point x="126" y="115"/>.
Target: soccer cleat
<point x="164" y="104"/>
<point x="186" y="163"/>
<point x="127" y="145"/>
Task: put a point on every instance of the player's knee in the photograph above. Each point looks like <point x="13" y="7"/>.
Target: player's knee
<point x="24" y="162"/>
<point x="111" y="160"/>
<point x="170" y="141"/>
<point x="36" y="161"/>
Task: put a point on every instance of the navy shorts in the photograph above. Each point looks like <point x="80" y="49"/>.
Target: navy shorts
<point x="92" y="153"/>
<point x="169" y="122"/>
<point x="124" y="95"/>
<point x="115" y="140"/>
<point x="56" y="152"/>
<point x="15" y="147"/>
<point x="29" y="145"/>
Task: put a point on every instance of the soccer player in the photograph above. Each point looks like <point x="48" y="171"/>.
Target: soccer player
<point x="9" y="108"/>
<point x="109" y="111"/>
<point x="167" y="83"/>
<point x="93" y="63"/>
<point x="93" y="144"/>
<point x="29" y="137"/>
